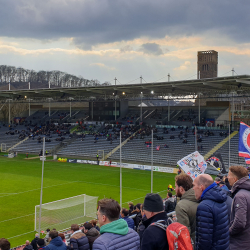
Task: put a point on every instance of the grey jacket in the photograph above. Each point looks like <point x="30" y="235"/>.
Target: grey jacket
<point x="186" y="211"/>
<point x="240" y="215"/>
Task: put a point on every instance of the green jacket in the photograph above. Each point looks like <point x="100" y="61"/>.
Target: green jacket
<point x="186" y="211"/>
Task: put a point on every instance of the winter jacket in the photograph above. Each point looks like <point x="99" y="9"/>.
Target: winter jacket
<point x="117" y="235"/>
<point x="56" y="244"/>
<point x="130" y="222"/>
<point x="78" y="241"/>
<point x="228" y="202"/>
<point x="92" y="235"/>
<point x="186" y="211"/>
<point x="34" y="243"/>
<point x="153" y="237"/>
<point x="212" y="223"/>
<point x="28" y="247"/>
<point x="170" y="205"/>
<point x="141" y="227"/>
<point x="240" y="216"/>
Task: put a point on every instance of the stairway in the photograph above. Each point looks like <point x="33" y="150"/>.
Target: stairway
<point x="219" y="145"/>
<point x="17" y="144"/>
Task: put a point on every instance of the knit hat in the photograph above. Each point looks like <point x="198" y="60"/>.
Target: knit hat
<point x="153" y="203"/>
<point x="40" y="242"/>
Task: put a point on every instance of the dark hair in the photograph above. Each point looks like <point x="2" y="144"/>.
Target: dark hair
<point x="53" y="234"/>
<point x="88" y="225"/>
<point x="40" y="242"/>
<point x="239" y="171"/>
<point x="170" y="194"/>
<point x="110" y="208"/>
<point x="93" y="222"/>
<point x="138" y="205"/>
<point x="47" y="230"/>
<point x="185" y="181"/>
<point x="62" y="236"/>
<point x="125" y="211"/>
<point x="74" y="227"/>
<point x="4" y="244"/>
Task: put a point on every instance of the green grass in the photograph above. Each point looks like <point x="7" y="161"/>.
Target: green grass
<point x="21" y="181"/>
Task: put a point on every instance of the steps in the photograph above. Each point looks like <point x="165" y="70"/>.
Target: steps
<point x="17" y="144"/>
<point x="219" y="145"/>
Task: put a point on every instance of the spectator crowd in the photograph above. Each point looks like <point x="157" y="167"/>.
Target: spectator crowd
<point x="216" y="213"/>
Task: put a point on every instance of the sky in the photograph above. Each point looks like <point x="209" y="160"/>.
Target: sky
<point x="126" y="39"/>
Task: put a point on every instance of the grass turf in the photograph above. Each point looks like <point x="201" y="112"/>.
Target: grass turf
<point x="21" y="181"/>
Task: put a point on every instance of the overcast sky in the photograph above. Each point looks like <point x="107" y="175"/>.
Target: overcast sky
<point x="104" y="39"/>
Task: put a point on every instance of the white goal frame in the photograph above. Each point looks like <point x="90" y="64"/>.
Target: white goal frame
<point x="3" y="147"/>
<point x="51" y="212"/>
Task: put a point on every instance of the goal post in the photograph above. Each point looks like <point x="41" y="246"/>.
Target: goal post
<point x="101" y="153"/>
<point x="3" y="147"/>
<point x="61" y="214"/>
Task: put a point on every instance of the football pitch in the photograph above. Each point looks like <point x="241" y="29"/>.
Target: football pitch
<point x="21" y="181"/>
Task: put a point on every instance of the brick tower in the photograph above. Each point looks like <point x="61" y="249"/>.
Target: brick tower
<point x="207" y="64"/>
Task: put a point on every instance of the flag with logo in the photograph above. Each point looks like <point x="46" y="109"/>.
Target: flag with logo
<point x="158" y="148"/>
<point x="244" y="140"/>
<point x="216" y="161"/>
<point x="193" y="164"/>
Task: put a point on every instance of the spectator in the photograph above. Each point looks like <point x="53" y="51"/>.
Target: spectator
<point x="170" y="203"/>
<point x="212" y="223"/>
<point x="115" y="233"/>
<point x="4" y="244"/>
<point x="28" y="246"/>
<point x="40" y="244"/>
<point x="94" y="223"/>
<point x="63" y="238"/>
<point x="46" y="239"/>
<point x="154" y="238"/>
<point x="240" y="218"/>
<point x="55" y="242"/>
<point x="187" y="206"/>
<point x="137" y="211"/>
<point x="124" y="215"/>
<point x="141" y="226"/>
<point x="34" y="241"/>
<point x="131" y="208"/>
<point x="91" y="233"/>
<point x="78" y="240"/>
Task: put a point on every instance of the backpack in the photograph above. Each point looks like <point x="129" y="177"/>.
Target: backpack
<point x="177" y="234"/>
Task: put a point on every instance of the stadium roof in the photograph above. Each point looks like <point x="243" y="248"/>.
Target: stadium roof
<point x="209" y="86"/>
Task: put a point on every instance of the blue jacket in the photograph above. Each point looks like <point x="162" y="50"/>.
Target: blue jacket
<point x="130" y="222"/>
<point x="117" y="235"/>
<point x="56" y="244"/>
<point x="212" y="222"/>
<point x="79" y="241"/>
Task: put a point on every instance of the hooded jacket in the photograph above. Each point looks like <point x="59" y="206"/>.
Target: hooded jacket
<point x="130" y="222"/>
<point x="117" y="235"/>
<point x="92" y="235"/>
<point x="56" y="244"/>
<point x="78" y="240"/>
<point x="212" y="223"/>
<point x="186" y="211"/>
<point x="240" y="215"/>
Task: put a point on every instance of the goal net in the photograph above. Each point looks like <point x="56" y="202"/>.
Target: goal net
<point x="62" y="213"/>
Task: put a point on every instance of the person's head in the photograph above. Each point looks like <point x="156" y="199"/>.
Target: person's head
<point x="62" y="236"/>
<point x="40" y="243"/>
<point x="27" y="242"/>
<point x="169" y="195"/>
<point x="124" y="212"/>
<point x="74" y="227"/>
<point x="152" y="205"/>
<point x="47" y="230"/>
<point x="142" y="210"/>
<point x="131" y="205"/>
<point x="53" y="234"/>
<point x="4" y="244"/>
<point x="86" y="227"/>
<point x="235" y="173"/>
<point x="183" y="183"/>
<point x="93" y="222"/>
<point x="217" y="180"/>
<point x="37" y="235"/>
<point x="137" y="207"/>
<point x="201" y="182"/>
<point x="108" y="211"/>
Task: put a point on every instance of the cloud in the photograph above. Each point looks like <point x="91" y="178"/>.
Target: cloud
<point x="184" y="66"/>
<point x="151" y="49"/>
<point x="102" y="65"/>
<point x="126" y="48"/>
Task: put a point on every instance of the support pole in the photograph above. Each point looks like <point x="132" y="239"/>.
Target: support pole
<point x="9" y="111"/>
<point x="70" y="108"/>
<point x="168" y="110"/>
<point x="199" y="108"/>
<point x="121" y="168"/>
<point x="141" y="106"/>
<point x="41" y="193"/>
<point x="92" y="111"/>
<point x="49" y="108"/>
<point x="195" y="137"/>
<point x="168" y="77"/>
<point x="29" y="106"/>
<point x="229" y="154"/>
<point x="233" y="110"/>
<point x="152" y="159"/>
<point x="115" y="108"/>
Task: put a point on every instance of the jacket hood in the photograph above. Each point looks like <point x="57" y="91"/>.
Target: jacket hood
<point x="214" y="193"/>
<point x="92" y="232"/>
<point x="77" y="235"/>
<point x="170" y="199"/>
<point x="116" y="227"/>
<point x="189" y="195"/>
<point x="57" y="241"/>
<point x="243" y="183"/>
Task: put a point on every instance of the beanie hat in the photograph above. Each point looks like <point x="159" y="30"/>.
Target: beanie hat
<point x="153" y="203"/>
<point x="40" y="242"/>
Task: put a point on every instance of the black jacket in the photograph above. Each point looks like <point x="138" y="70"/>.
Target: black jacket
<point x="170" y="205"/>
<point x="92" y="235"/>
<point x="79" y="241"/>
<point x="34" y="243"/>
<point x="154" y="238"/>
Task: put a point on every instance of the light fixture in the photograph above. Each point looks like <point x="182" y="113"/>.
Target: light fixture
<point x="152" y="92"/>
<point x="123" y="93"/>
